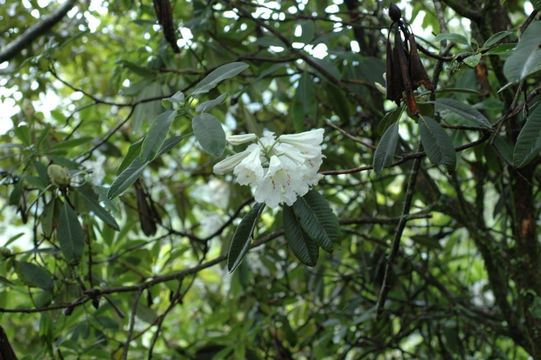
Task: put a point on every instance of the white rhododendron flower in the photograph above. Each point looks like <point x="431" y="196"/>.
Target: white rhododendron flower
<point x="278" y="170"/>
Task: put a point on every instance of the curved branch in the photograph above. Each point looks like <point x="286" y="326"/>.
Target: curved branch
<point x="35" y="31"/>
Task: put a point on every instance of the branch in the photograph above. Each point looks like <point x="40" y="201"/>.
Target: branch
<point x="410" y="190"/>
<point x="35" y="31"/>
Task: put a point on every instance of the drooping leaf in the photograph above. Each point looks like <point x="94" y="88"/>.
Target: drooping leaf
<point x="386" y="149"/>
<point x="127" y="177"/>
<point x="70" y="235"/>
<point x="390" y="118"/>
<point x="528" y="143"/>
<point x="304" y="103"/>
<point x="210" y="134"/>
<point x="34" y="275"/>
<point x="156" y="135"/>
<point x="215" y="77"/>
<point x="464" y="110"/>
<point x="207" y="105"/>
<point x="93" y="205"/>
<point x="437" y="144"/>
<point x="304" y="248"/>
<point x="317" y="219"/>
<point x="241" y="240"/>
<point x="526" y="58"/>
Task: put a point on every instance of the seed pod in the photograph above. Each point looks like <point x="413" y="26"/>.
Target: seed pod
<point x="165" y="19"/>
<point x="6" y="351"/>
<point x="395" y="13"/>
<point x="417" y="70"/>
<point x="59" y="175"/>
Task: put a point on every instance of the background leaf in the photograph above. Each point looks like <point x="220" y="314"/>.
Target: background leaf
<point x="70" y="235"/>
<point x="34" y="275"/>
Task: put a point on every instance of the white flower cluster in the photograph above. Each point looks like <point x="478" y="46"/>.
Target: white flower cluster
<point x="278" y="170"/>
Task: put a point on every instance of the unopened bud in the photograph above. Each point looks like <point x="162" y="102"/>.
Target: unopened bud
<point x="59" y="175"/>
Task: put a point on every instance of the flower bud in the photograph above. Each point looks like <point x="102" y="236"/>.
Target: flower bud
<point x="59" y="175"/>
<point x="241" y="139"/>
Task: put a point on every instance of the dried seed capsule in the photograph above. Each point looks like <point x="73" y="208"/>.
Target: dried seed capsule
<point x="395" y="13"/>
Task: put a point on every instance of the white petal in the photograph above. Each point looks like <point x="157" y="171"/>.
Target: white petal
<point x="249" y="170"/>
<point x="313" y="137"/>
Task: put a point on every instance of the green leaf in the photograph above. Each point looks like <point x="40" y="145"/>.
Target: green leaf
<point x="456" y="38"/>
<point x="241" y="240"/>
<point x="528" y="143"/>
<point x="317" y="219"/>
<point x="207" y="105"/>
<point x="70" y="235"/>
<point x="464" y="110"/>
<point x="127" y="177"/>
<point x="210" y="134"/>
<point x="304" y="248"/>
<point x="437" y="144"/>
<point x="526" y="58"/>
<point x="472" y="60"/>
<point x="34" y="275"/>
<point x="304" y="103"/>
<point x="215" y="77"/>
<point x="496" y="38"/>
<point x="156" y="135"/>
<point x="133" y="153"/>
<point x="390" y="118"/>
<point x="93" y="205"/>
<point x="386" y="149"/>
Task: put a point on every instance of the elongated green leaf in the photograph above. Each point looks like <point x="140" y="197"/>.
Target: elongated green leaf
<point x="156" y="135"/>
<point x="437" y="144"/>
<point x="210" y="134"/>
<point x="528" y="143"/>
<point x="34" y="275"/>
<point x="304" y="248"/>
<point x="464" y="110"/>
<point x="127" y="177"/>
<point x="526" y="58"/>
<point x="207" y="105"/>
<point x="390" y="118"/>
<point x="170" y="143"/>
<point x="220" y="74"/>
<point x="133" y="153"/>
<point x="241" y="240"/>
<point x="495" y="38"/>
<point x="386" y="149"/>
<point x="317" y="219"/>
<point x="70" y="235"/>
<point x="93" y="205"/>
